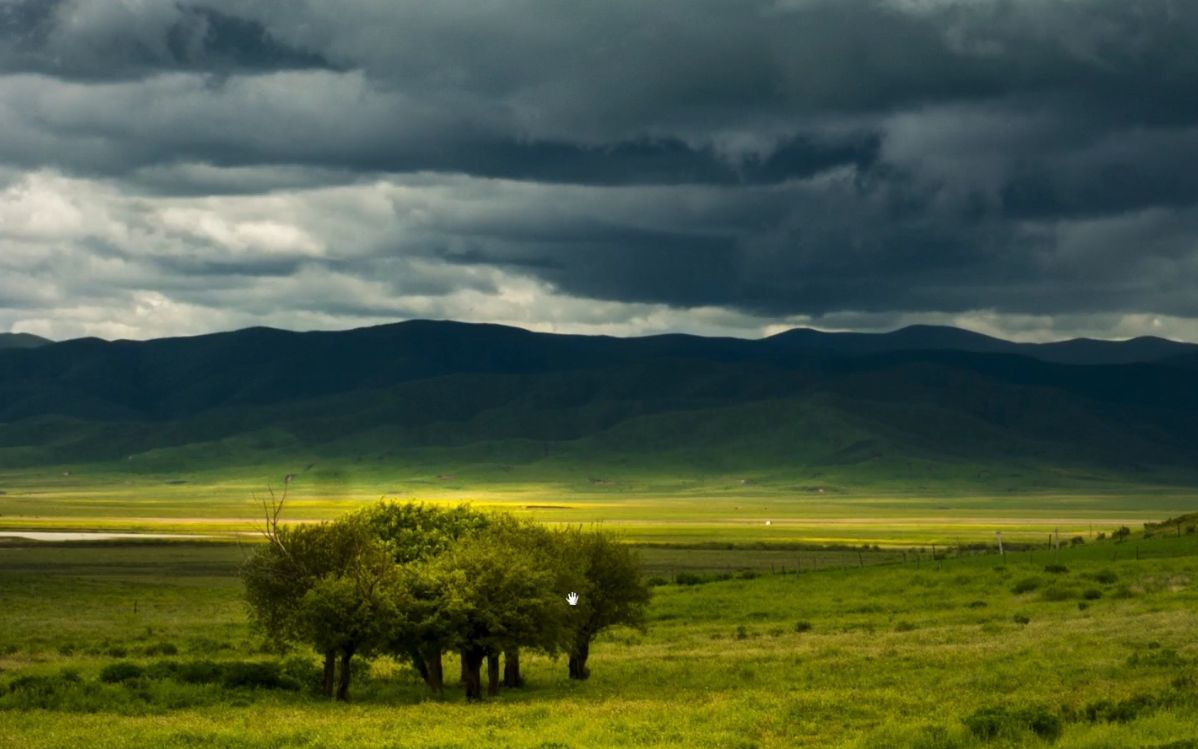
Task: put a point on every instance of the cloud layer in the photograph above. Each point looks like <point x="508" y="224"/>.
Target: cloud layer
<point x="1019" y="167"/>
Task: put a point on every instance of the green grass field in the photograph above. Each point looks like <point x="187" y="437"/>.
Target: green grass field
<point x="889" y="655"/>
<point x="659" y="507"/>
<point x="871" y="643"/>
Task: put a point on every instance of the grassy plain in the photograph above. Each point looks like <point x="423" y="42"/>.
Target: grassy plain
<point x="649" y="506"/>
<point x="892" y="655"/>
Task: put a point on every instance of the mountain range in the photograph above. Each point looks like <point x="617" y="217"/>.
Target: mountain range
<point x="925" y="404"/>
<point x="21" y="340"/>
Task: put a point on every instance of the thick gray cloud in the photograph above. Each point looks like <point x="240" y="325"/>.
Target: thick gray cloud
<point x="1017" y="166"/>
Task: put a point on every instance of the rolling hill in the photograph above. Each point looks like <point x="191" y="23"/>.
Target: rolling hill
<point x="21" y="340"/>
<point x="926" y="404"/>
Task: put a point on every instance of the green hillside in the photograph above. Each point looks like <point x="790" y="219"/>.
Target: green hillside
<point x="841" y="413"/>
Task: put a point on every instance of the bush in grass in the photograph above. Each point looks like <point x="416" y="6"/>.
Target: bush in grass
<point x="256" y="675"/>
<point x="159" y="670"/>
<point x="1026" y="585"/>
<point x="802" y="626"/>
<point x="303" y="671"/>
<point x="1106" y="577"/>
<point x="1012" y="723"/>
<point x="42" y="684"/>
<point x="687" y="578"/>
<point x="198" y="672"/>
<point x="121" y="672"/>
<point x="976" y="604"/>
<point x="1056" y="569"/>
<point x="1124" y="711"/>
<point x="1091" y="594"/>
<point x="1020" y="619"/>
<point x="44" y="692"/>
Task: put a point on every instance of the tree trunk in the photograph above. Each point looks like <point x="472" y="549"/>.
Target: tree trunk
<point x="472" y="663"/>
<point x="493" y="673"/>
<point x="435" y="670"/>
<point x="578" y="659"/>
<point x="343" y="682"/>
<point x="511" y="668"/>
<point x="462" y="674"/>
<point x="419" y="663"/>
<point x="330" y="673"/>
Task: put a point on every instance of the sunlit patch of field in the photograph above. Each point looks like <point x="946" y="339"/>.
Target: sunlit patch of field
<point x="644" y="507"/>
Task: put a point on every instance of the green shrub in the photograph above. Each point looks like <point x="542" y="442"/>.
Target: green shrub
<point x="1021" y="619"/>
<point x="1125" y="711"/>
<point x="256" y="675"/>
<point x="802" y="626"/>
<point x="1026" y="585"/>
<point x="121" y="672"/>
<point x="162" y="670"/>
<point x="1001" y="722"/>
<point x="199" y="672"/>
<point x="303" y="671"/>
<point x="741" y="632"/>
<point x="42" y="685"/>
<point x="977" y="604"/>
<point x="1056" y="569"/>
<point x="1106" y="577"/>
<point x="904" y="627"/>
<point x="687" y="578"/>
<point x="1092" y="594"/>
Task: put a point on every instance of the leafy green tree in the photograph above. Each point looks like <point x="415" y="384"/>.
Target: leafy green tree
<point x="613" y="592"/>
<point x="411" y="531"/>
<point x="412" y="534"/>
<point x="351" y="612"/>
<point x="497" y="596"/>
<point x="544" y="548"/>
<point x="300" y="586"/>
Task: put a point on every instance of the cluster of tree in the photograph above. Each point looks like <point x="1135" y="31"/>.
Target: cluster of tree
<point x="417" y="582"/>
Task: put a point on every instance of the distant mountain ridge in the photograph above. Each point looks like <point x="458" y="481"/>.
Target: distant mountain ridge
<point x="21" y="340"/>
<point x="939" y="402"/>
<point x="931" y="337"/>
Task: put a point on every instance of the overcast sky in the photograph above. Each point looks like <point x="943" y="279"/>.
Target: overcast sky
<point x="1027" y="168"/>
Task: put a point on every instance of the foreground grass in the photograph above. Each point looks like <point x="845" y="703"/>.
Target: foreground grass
<point x="882" y="656"/>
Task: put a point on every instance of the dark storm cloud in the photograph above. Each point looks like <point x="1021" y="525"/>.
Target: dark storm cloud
<point x="98" y="40"/>
<point x="773" y="157"/>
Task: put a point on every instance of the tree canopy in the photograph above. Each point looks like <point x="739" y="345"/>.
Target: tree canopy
<point x="416" y="581"/>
